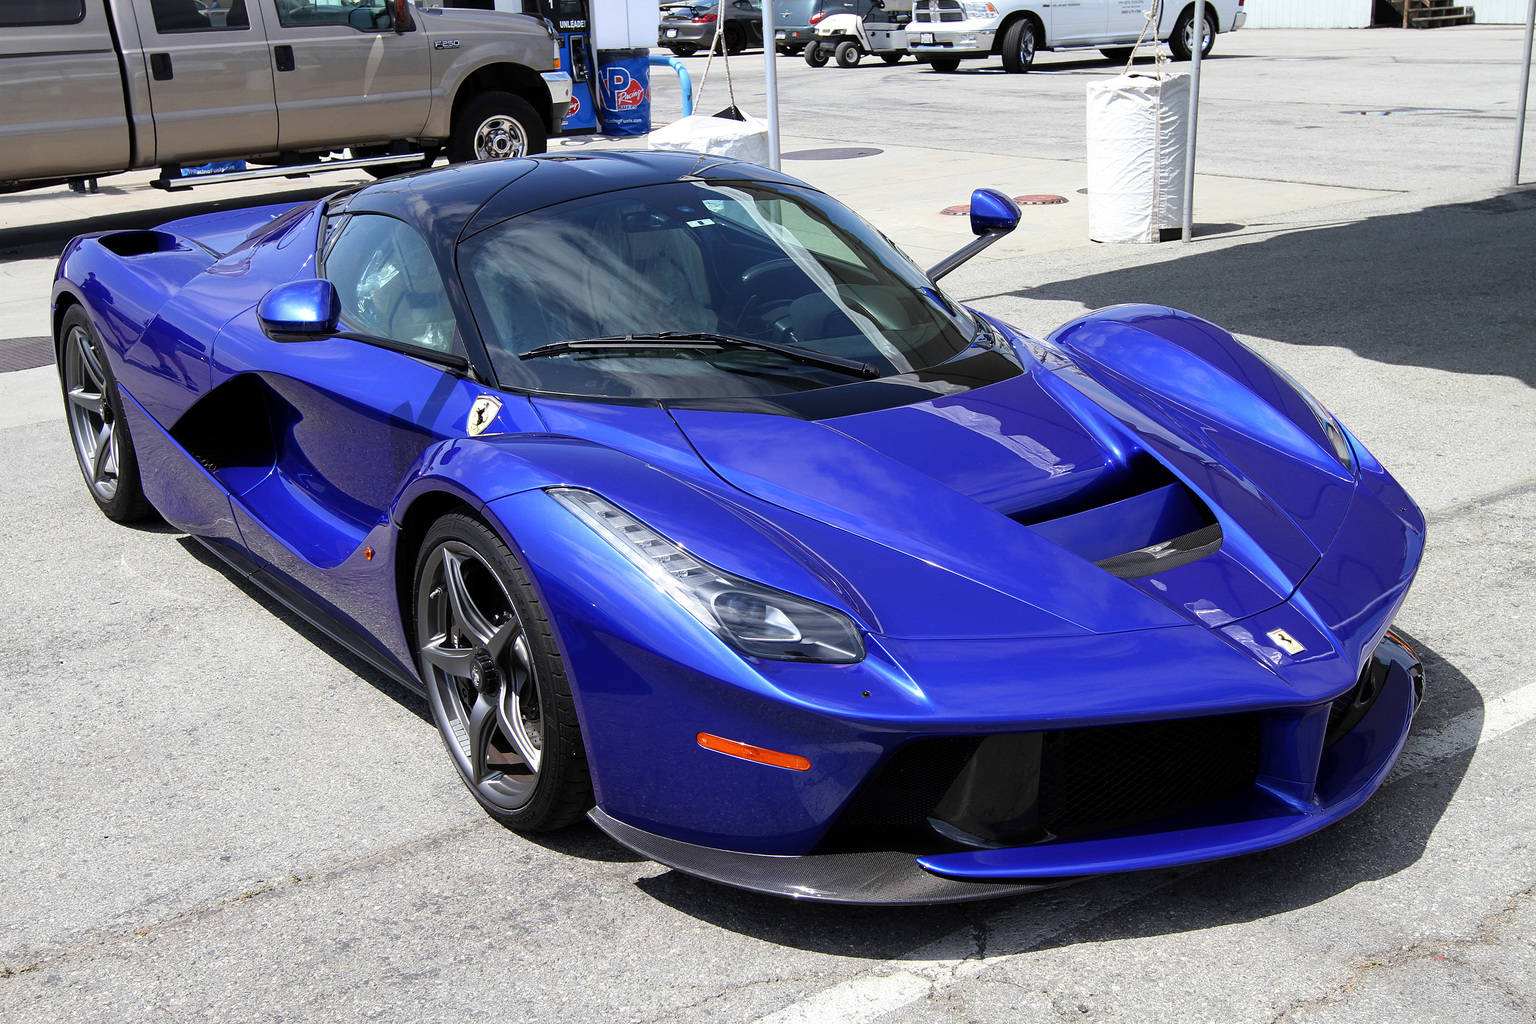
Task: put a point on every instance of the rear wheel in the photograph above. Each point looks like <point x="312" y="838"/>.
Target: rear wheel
<point x="791" y="51"/>
<point x="735" y="39"/>
<point x="944" y="63"/>
<point x="1019" y="42"/>
<point x="496" y="681"/>
<point x="1182" y="41"/>
<point x="848" y="54"/>
<point x="493" y="126"/>
<point x="97" y="425"/>
<point x="683" y="51"/>
<point x="1117" y="54"/>
<point x="816" y="55"/>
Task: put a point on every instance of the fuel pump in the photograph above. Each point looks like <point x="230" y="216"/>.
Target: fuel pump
<point x="573" y="22"/>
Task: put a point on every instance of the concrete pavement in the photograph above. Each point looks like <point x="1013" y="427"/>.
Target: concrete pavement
<point x="210" y="812"/>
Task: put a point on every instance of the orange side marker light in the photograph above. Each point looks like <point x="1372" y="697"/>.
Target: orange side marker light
<point x="747" y="752"/>
<point x="368" y="554"/>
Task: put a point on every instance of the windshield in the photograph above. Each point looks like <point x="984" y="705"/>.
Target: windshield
<point x="740" y="261"/>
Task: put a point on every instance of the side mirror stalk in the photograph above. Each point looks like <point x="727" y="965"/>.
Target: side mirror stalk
<point x="993" y="215"/>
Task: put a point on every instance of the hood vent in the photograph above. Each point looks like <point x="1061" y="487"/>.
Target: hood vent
<point x="1159" y="529"/>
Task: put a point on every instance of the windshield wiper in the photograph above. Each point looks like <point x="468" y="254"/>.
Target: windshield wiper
<point x="702" y="340"/>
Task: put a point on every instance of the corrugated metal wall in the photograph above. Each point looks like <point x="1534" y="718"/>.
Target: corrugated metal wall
<point x="1497" y="12"/>
<point x="1309" y="13"/>
<point x="1357" y="13"/>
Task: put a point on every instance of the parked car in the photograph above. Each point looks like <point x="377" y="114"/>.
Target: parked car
<point x="847" y="37"/>
<point x="691" y="504"/>
<point x="687" y="28"/>
<point x="795" y="25"/>
<point x="93" y="87"/>
<point x="945" y="32"/>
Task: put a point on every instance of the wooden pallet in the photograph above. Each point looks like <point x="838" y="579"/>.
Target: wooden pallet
<point x="1433" y="13"/>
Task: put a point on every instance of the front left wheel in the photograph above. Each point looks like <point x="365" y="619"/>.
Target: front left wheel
<point x="493" y="126"/>
<point x="495" y="679"/>
<point x="1019" y="43"/>
<point x="847" y="54"/>
<point x="97" y="426"/>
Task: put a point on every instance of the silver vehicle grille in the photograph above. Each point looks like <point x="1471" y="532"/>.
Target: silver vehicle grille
<point x="937" y="10"/>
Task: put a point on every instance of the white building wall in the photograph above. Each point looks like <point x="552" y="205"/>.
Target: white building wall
<point x="1311" y="13"/>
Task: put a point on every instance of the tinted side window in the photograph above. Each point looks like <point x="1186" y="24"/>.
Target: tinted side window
<point x="365" y="16"/>
<point x="389" y="284"/>
<point x="41" y="12"/>
<point x="199" y="15"/>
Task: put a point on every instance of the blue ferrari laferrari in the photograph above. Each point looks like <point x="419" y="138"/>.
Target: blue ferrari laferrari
<point x="693" y="506"/>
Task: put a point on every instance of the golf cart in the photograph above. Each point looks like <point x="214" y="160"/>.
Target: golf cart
<point x="846" y="38"/>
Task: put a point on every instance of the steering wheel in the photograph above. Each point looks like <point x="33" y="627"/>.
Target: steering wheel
<point x="759" y="303"/>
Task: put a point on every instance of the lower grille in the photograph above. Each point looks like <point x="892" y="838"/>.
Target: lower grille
<point x="1094" y="780"/>
<point x="910" y="783"/>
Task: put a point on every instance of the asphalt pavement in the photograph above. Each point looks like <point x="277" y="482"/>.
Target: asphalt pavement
<point x="209" y="811"/>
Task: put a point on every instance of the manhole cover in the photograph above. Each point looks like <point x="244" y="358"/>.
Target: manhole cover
<point x="1082" y="191"/>
<point x="843" y="153"/>
<point x="955" y="211"/>
<point x="1411" y="111"/>
<point x="1040" y="200"/>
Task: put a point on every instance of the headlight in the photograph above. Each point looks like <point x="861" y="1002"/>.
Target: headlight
<point x="1331" y="428"/>
<point x="752" y="618"/>
<point x="982" y="10"/>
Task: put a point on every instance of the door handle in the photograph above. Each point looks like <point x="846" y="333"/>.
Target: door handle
<point x="160" y="67"/>
<point x="282" y="56"/>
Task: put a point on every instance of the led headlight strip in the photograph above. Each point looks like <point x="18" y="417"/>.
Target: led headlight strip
<point x="752" y="618"/>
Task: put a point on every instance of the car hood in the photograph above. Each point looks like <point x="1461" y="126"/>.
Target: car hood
<point x="943" y="514"/>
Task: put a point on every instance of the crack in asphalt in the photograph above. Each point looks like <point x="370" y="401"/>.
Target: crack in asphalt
<point x="1427" y="948"/>
<point x="1480" y="503"/>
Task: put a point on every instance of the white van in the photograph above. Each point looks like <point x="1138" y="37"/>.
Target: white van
<point x="945" y="32"/>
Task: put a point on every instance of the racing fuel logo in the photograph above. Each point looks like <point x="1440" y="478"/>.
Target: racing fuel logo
<point x="575" y="107"/>
<point x="626" y="91"/>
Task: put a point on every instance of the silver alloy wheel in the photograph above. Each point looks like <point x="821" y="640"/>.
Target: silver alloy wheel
<point x="499" y="137"/>
<point x="90" y="413"/>
<point x="1189" y="35"/>
<point x="1027" y="45"/>
<point x="475" y="659"/>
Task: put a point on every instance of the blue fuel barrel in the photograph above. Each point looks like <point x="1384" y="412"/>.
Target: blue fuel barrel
<point x="624" y="90"/>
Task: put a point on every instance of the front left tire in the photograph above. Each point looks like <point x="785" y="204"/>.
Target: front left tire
<point x="495" y="679"/>
<point x="1019" y="44"/>
<point x="97" y="427"/>
<point x="496" y="125"/>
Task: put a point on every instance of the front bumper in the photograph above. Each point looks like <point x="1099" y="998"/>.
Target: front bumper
<point x="559" y="85"/>
<point x="951" y="38"/>
<point x="1273" y="812"/>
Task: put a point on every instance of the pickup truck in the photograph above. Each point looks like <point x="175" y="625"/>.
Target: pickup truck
<point x="945" y="32"/>
<point x="94" y="87"/>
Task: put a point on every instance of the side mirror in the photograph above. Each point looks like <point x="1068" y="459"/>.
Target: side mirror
<point x="300" y="311"/>
<point x="993" y="215"/>
<point x="401" y="10"/>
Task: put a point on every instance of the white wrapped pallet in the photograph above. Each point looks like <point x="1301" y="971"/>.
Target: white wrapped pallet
<point x="1137" y="131"/>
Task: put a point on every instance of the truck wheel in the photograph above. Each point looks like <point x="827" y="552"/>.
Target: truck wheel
<point x="1019" y="46"/>
<point x="1182" y="41"/>
<point x="891" y="58"/>
<point x="1117" y="54"/>
<point x="944" y="63"/>
<point x="493" y="126"/>
<point x="816" y="55"/>
<point x="847" y="54"/>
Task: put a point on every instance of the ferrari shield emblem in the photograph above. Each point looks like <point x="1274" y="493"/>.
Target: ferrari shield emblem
<point x="1286" y="642"/>
<point x="481" y="413"/>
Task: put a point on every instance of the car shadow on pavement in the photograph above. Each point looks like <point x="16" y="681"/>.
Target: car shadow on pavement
<point x="1447" y="287"/>
<point x="412" y="702"/>
<point x="1386" y="836"/>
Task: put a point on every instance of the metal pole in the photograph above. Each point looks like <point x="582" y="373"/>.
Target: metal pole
<point x="1525" y="87"/>
<point x="771" y="82"/>
<point x="1197" y="34"/>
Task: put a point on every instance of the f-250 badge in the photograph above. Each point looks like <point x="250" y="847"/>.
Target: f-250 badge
<point x="445" y="44"/>
<point x="481" y="413"/>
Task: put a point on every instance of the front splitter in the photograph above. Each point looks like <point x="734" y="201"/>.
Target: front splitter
<point x="878" y="878"/>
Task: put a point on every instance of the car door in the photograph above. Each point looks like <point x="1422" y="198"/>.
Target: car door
<point x="1127" y="18"/>
<point x="348" y="418"/>
<point x="63" y="91"/>
<point x="1078" y="22"/>
<point x="210" y="78"/>
<point x="344" y="75"/>
<point x="749" y="15"/>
